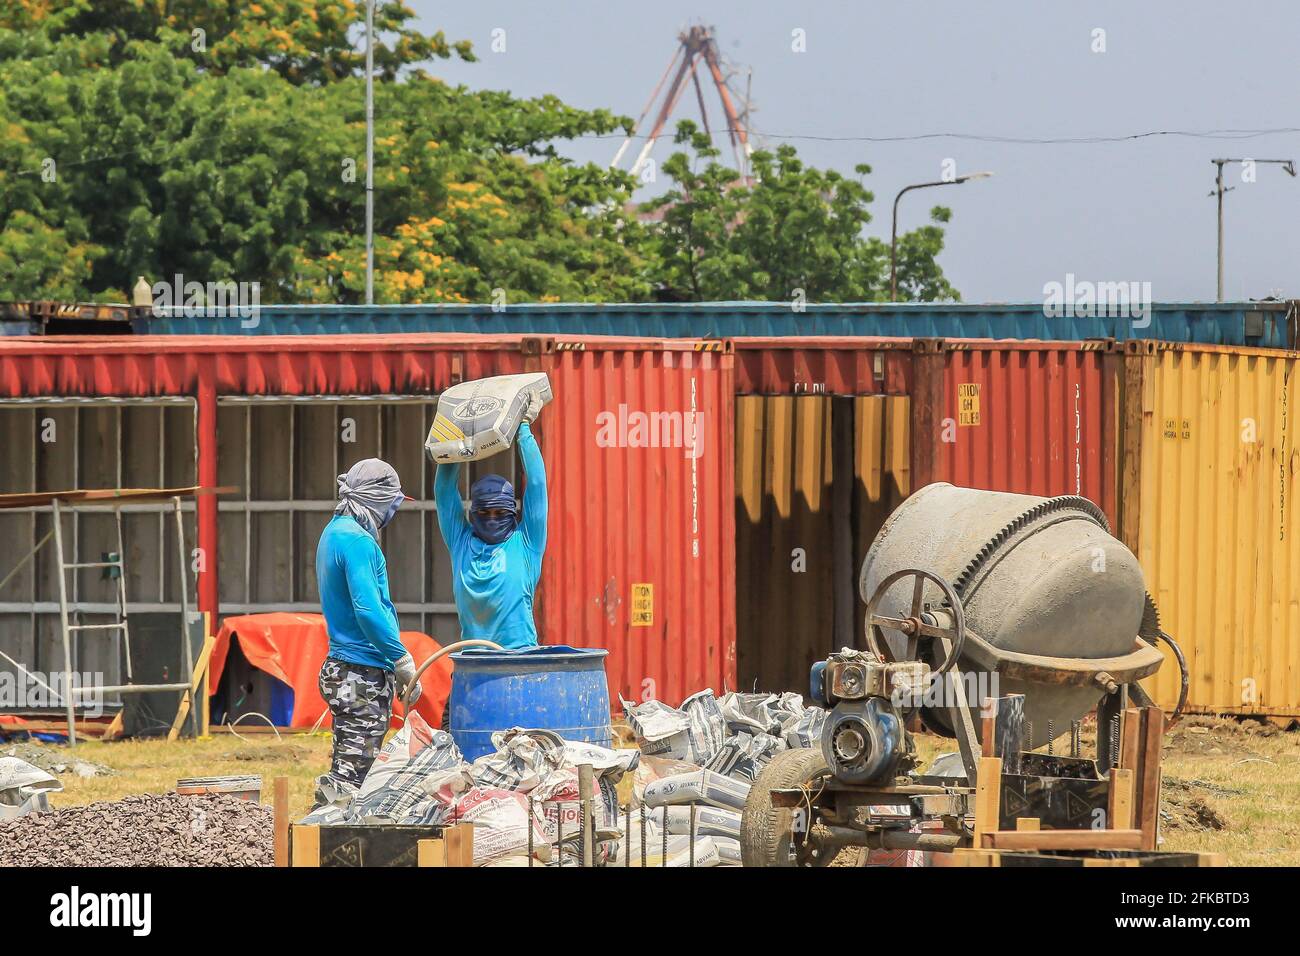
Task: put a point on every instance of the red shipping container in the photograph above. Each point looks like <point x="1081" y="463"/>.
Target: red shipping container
<point x="637" y="444"/>
<point x="1036" y="418"/>
<point x="641" y="555"/>
<point x="823" y="365"/>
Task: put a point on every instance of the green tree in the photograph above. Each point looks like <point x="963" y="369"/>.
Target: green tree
<point x="305" y="41"/>
<point x="792" y="230"/>
<point x="159" y="165"/>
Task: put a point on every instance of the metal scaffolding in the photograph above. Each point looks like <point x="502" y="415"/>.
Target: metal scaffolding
<point x="115" y="498"/>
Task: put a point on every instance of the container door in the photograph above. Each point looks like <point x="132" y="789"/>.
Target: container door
<point x="816" y="476"/>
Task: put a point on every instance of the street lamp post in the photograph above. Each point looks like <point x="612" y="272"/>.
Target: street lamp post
<point x="893" y="236"/>
<point x="370" y="152"/>
<point x="1219" y="189"/>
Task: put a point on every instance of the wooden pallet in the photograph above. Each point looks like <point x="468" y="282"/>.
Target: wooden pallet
<point x="347" y="845"/>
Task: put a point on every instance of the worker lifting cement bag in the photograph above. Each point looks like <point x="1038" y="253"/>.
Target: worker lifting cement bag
<point x="479" y="419"/>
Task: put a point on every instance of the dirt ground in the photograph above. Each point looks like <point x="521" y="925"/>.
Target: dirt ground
<point x="1229" y="786"/>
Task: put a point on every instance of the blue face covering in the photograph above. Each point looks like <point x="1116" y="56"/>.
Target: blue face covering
<point x="493" y="491"/>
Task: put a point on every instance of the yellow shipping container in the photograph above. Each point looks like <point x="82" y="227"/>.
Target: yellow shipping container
<point x="1210" y="475"/>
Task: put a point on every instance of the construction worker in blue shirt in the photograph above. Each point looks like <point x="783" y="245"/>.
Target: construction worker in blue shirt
<point x="496" y="556"/>
<point x="367" y="664"/>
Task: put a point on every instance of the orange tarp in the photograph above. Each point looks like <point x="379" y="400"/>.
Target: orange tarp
<point x="291" y="647"/>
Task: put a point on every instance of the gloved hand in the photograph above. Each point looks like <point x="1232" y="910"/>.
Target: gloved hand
<point x="404" y="669"/>
<point x="534" y="408"/>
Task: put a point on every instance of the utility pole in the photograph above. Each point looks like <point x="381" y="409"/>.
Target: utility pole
<point x="893" y="234"/>
<point x="370" y="152"/>
<point x="1219" y="189"/>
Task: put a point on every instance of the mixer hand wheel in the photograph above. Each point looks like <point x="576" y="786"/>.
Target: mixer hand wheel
<point x="914" y="627"/>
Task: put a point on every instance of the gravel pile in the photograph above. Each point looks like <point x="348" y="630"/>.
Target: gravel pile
<point x="145" y="830"/>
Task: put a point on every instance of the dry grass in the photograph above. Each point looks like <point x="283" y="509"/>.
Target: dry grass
<point x="1249" y="779"/>
<point x="1245" y="775"/>
<point x="154" y="766"/>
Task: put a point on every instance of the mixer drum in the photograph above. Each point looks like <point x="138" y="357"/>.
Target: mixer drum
<point x="1039" y="576"/>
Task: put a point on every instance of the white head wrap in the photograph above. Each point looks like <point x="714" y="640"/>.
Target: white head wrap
<point x="366" y="493"/>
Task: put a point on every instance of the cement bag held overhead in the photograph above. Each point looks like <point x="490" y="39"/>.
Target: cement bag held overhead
<point x="478" y="419"/>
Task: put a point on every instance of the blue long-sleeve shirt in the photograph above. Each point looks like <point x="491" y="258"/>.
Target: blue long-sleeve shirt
<point x="353" y="580"/>
<point x="494" y="583"/>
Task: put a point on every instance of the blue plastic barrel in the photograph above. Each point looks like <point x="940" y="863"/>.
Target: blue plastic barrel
<point x="552" y="687"/>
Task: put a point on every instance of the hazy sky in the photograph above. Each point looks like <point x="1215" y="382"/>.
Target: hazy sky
<point x="1119" y="211"/>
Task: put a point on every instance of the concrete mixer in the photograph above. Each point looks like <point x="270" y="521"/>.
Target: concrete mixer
<point x="1001" y="620"/>
<point x="1053" y="605"/>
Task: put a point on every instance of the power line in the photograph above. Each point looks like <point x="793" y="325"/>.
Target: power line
<point x="1216" y="134"/>
<point x="1211" y="134"/>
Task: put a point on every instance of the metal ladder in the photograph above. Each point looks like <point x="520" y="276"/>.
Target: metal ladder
<point x="67" y="629"/>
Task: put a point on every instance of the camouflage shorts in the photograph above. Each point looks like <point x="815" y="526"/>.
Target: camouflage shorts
<point x="360" y="699"/>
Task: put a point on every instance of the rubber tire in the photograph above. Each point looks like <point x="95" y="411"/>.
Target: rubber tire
<point x="765" y="830"/>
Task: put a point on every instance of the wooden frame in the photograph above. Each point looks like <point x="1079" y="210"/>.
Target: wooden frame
<point x="306" y="845"/>
<point x="1132" y="799"/>
<point x="379" y="845"/>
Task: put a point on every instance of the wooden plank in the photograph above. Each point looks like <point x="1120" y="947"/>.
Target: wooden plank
<point x="431" y="853"/>
<point x="196" y="681"/>
<point x="205" y="714"/>
<point x="280" y="806"/>
<point x="987" y="796"/>
<point x="1119" y="810"/>
<point x="455" y="850"/>
<point x="304" y="842"/>
<point x="1130" y="737"/>
<point x="970" y="856"/>
<point x="114" y="726"/>
<point x="1028" y="823"/>
<point x="1148" y="818"/>
<point x="1062" y="840"/>
<point x="464" y="837"/>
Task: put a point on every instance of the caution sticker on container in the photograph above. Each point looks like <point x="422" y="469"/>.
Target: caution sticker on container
<point x="643" y="605"/>
<point x="968" y="403"/>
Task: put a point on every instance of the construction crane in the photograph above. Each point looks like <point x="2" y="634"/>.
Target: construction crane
<point x="696" y="45"/>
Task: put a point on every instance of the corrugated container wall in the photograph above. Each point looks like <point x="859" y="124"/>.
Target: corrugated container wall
<point x="1037" y="418"/>
<point x="1211" y="472"/>
<point x="1269" y="324"/>
<point x="641" y="553"/>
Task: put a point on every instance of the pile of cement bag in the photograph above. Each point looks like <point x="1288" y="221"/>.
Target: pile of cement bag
<point x="24" y="788"/>
<point x="529" y="784"/>
<point x="707" y="752"/>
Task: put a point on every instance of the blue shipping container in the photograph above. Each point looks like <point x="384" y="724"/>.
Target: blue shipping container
<point x="1265" y="324"/>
